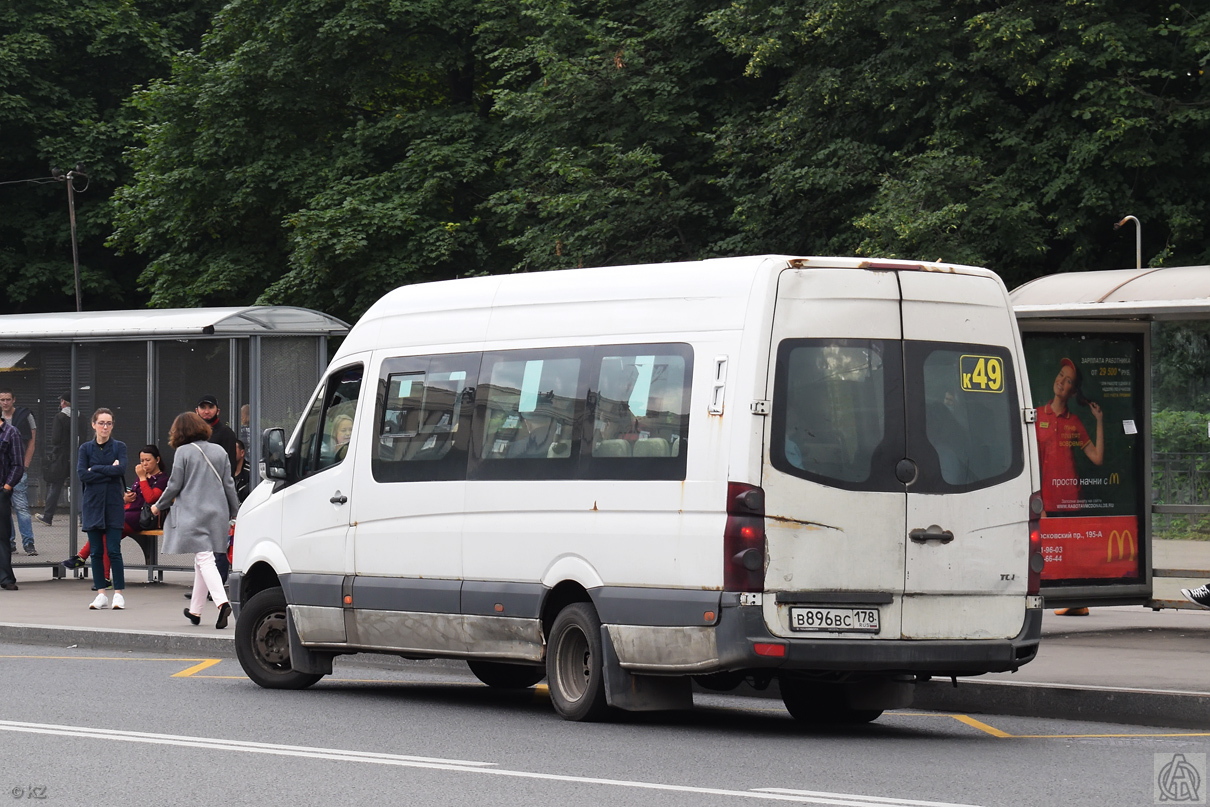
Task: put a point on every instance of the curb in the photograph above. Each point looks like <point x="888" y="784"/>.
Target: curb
<point x="160" y="642"/>
<point x="1135" y="707"/>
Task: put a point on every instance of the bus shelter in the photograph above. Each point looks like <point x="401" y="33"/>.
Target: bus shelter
<point x="148" y="366"/>
<point x="1119" y="367"/>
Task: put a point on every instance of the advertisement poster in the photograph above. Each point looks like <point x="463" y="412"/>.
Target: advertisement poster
<point x="1088" y="392"/>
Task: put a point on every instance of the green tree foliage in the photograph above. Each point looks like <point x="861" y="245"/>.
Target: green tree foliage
<point x="1010" y="134"/>
<point x="319" y="152"/>
<point x="607" y="114"/>
<point x="66" y="69"/>
<point x="314" y="152"/>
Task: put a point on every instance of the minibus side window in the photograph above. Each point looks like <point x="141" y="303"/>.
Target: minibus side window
<point x="423" y="416"/>
<point x="308" y="439"/>
<point x="328" y="429"/>
<point x="638" y="420"/>
<point x="530" y="406"/>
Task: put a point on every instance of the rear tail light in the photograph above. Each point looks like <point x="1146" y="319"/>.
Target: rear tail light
<point x="744" y="538"/>
<point x="1036" y="559"/>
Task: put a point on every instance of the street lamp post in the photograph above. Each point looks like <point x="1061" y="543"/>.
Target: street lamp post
<point x="1138" y="239"/>
<point x="70" y="178"/>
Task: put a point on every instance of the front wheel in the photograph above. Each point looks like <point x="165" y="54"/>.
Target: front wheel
<point x="502" y="675"/>
<point x="262" y="643"/>
<point x="573" y="664"/>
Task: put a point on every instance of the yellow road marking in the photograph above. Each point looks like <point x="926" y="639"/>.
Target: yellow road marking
<point x="1101" y="736"/>
<point x="970" y="721"/>
<point x="205" y="664"/>
<point x="101" y="658"/>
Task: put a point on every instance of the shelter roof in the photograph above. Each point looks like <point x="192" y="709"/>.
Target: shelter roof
<point x="169" y="323"/>
<point x="1171" y="292"/>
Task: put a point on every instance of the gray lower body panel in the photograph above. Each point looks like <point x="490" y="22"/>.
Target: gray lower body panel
<point x="652" y="631"/>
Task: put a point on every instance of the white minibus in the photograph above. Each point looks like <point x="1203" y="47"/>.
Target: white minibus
<point x="808" y="471"/>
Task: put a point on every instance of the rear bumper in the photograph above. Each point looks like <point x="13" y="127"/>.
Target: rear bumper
<point x="740" y="628"/>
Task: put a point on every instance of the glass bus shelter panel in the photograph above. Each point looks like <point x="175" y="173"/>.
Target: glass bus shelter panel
<point x="186" y="370"/>
<point x="118" y="373"/>
<point x="289" y="369"/>
<point x="1180" y="425"/>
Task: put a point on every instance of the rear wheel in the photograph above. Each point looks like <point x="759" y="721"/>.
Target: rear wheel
<point x="822" y="704"/>
<point x="573" y="664"/>
<point x="262" y="643"/>
<point x="506" y="676"/>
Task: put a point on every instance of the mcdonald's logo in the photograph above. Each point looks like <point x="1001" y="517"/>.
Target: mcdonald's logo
<point x="1115" y="478"/>
<point x="1124" y="540"/>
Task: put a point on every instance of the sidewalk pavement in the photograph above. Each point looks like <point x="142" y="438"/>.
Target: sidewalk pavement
<point x="1122" y="664"/>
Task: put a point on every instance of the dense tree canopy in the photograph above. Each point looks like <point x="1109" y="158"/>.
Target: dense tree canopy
<point x="1007" y="134"/>
<point x="314" y="152"/>
<point x="66" y="70"/>
<point x="320" y="152"/>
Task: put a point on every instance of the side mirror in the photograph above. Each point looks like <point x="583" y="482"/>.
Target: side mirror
<point x="273" y="450"/>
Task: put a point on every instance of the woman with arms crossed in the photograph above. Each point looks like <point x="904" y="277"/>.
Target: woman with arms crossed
<point x="102" y="470"/>
<point x="203" y="503"/>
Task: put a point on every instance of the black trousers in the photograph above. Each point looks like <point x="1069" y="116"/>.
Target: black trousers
<point x="54" y="490"/>
<point x="6" y="535"/>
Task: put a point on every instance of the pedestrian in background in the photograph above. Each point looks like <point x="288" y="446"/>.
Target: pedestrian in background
<point x="58" y="460"/>
<point x="21" y="419"/>
<point x="12" y="468"/>
<point x="203" y="505"/>
<point x="102" y="471"/>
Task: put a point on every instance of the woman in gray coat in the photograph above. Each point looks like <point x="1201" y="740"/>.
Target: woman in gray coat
<point x="202" y="501"/>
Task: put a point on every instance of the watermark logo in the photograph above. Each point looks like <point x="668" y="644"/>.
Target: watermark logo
<point x="1180" y="778"/>
<point x="28" y="792"/>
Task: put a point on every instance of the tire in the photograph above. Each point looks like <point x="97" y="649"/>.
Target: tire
<point x="262" y="643"/>
<point x="573" y="664"/>
<point x="501" y="675"/>
<point x="822" y="704"/>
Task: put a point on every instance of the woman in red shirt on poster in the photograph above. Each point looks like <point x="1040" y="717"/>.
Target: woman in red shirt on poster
<point x="1060" y="433"/>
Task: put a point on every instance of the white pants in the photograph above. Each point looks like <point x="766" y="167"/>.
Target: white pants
<point x="206" y="579"/>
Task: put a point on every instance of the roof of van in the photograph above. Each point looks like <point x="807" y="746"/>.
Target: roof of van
<point x="432" y="310"/>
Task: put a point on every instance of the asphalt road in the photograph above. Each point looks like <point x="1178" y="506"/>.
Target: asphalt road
<point x="86" y="727"/>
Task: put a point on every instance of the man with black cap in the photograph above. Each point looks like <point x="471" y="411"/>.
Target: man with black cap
<point x="12" y="469"/>
<point x="220" y="433"/>
<point x="58" y="459"/>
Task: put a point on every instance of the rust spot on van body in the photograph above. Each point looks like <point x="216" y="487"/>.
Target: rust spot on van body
<point x="798" y="521"/>
<point x="594" y="507"/>
<point x="888" y="266"/>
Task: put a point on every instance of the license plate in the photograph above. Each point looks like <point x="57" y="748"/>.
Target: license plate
<point x="835" y="620"/>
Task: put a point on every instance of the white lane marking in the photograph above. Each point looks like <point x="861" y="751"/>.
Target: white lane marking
<point x="461" y="766"/>
<point x="232" y="745"/>
<point x="867" y="799"/>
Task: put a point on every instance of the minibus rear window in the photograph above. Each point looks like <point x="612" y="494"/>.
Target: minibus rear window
<point x="838" y="408"/>
<point x="847" y="411"/>
<point x="964" y="421"/>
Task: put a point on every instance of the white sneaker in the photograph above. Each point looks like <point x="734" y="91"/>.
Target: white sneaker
<point x="101" y="602"/>
<point x="119" y="602"/>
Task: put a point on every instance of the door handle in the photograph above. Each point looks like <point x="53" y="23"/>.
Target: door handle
<point x="933" y="533"/>
<point x="338" y="499"/>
